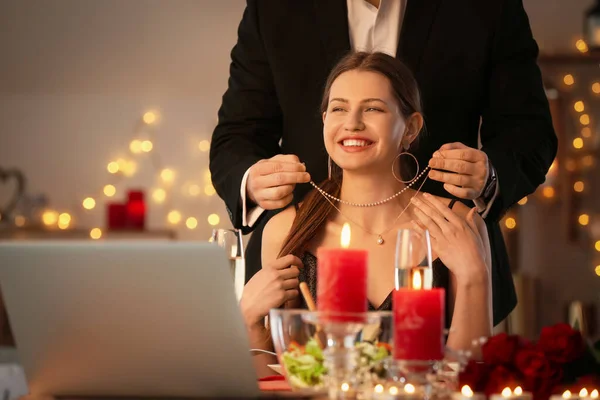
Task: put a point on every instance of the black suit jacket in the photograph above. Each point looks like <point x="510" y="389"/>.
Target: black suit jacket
<point x="475" y="62"/>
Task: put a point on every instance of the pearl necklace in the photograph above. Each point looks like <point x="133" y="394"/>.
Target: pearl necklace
<point x="376" y="203"/>
<point x="380" y="240"/>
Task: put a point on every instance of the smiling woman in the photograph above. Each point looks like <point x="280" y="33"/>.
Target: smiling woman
<point x="371" y="118"/>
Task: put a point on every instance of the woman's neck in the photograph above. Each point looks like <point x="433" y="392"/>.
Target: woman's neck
<point x="372" y="188"/>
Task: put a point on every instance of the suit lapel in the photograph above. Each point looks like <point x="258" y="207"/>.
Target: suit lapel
<point x="332" y="23"/>
<point x="416" y="27"/>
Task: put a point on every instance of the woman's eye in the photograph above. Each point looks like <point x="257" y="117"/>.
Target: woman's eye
<point x="334" y="109"/>
<point x="374" y="109"/>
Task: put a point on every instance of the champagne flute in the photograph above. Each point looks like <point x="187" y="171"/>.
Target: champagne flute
<point x="231" y="240"/>
<point x="413" y="255"/>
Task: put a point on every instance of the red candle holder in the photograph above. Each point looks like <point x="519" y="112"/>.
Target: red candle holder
<point x="117" y="216"/>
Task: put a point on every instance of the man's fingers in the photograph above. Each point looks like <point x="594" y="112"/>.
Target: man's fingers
<point x="458" y="166"/>
<point x="276" y="204"/>
<point x="455" y="145"/>
<point x="463" y="193"/>
<point x="288" y="158"/>
<point x="466" y="154"/>
<point x="281" y="179"/>
<point x="454" y="179"/>
<point x="272" y="167"/>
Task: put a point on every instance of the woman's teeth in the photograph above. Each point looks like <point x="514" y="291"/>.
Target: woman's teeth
<point x="355" y="143"/>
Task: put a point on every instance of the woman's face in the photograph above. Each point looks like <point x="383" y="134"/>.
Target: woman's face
<point x="363" y="127"/>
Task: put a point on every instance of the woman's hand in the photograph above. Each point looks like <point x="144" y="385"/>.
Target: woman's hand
<point x="455" y="240"/>
<point x="276" y="283"/>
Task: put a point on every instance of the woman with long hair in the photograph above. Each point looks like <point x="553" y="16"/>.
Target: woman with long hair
<point x="372" y="116"/>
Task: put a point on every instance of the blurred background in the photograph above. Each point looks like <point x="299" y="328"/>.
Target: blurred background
<point x="107" y="108"/>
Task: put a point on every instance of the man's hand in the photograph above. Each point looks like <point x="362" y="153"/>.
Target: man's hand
<point x="271" y="182"/>
<point x="463" y="170"/>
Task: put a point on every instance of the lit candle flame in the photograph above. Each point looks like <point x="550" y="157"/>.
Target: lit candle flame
<point x="566" y="394"/>
<point x="408" y="388"/>
<point x="379" y="388"/>
<point x="594" y="394"/>
<point x="417" y="281"/>
<point x="583" y="392"/>
<point x="466" y="391"/>
<point x="518" y="391"/>
<point x="393" y="390"/>
<point x="506" y="392"/>
<point x="345" y="239"/>
<point x="345" y="387"/>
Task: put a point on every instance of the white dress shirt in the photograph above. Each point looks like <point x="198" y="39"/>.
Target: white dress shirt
<point x="371" y="29"/>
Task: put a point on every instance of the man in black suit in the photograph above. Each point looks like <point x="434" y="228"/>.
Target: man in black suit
<point x="475" y="62"/>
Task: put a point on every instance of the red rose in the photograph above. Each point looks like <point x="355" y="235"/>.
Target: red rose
<point x="501" y="377"/>
<point x="475" y="375"/>
<point x="561" y="343"/>
<point x="500" y="349"/>
<point x="540" y="375"/>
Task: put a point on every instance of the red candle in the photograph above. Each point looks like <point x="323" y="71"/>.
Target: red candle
<point x="418" y="322"/>
<point x="117" y="216"/>
<point x="136" y="209"/>
<point x="342" y="278"/>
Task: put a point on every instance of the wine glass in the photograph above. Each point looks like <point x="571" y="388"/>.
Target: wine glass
<point x="413" y="254"/>
<point x="231" y="240"/>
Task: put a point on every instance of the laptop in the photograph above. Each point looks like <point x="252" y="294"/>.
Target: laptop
<point x="126" y="319"/>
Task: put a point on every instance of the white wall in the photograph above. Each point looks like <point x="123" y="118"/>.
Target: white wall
<point x="76" y="75"/>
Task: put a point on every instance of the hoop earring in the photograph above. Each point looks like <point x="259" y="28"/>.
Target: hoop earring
<point x="394" y="163"/>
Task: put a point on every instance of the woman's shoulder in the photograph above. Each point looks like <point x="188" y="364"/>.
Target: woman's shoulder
<point x="279" y="225"/>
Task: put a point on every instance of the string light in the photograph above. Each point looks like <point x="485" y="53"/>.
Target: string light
<point x="135" y="146"/>
<point x="578" y="143"/>
<point x="89" y="203"/>
<point x="584" y="219"/>
<point x="129" y="169"/>
<point x="523" y="201"/>
<point x="586" y="132"/>
<point x="579" y="106"/>
<point x="149" y="118"/>
<point x="167" y="175"/>
<point x="174" y="217"/>
<point x="597" y="245"/>
<point x="209" y="190"/>
<point x="596" y="87"/>
<point x="548" y="192"/>
<point x="584" y="119"/>
<point x="113" y="167"/>
<point x="597" y="270"/>
<point x="581" y="46"/>
<point x="64" y="220"/>
<point x="194" y="190"/>
<point x="204" y="146"/>
<point x="207" y="176"/>
<point x="587" y="161"/>
<point x="49" y="217"/>
<point x="510" y="223"/>
<point x="213" y="219"/>
<point x="20" y="221"/>
<point x="96" y="233"/>
<point x="191" y="223"/>
<point x="109" y="190"/>
<point x="159" y="195"/>
<point x="579" y="186"/>
<point x="568" y="79"/>
<point x="147" y="146"/>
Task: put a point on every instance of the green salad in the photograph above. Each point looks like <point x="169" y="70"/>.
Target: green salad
<point x="304" y="365"/>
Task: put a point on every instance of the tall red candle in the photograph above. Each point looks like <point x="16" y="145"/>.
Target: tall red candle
<point x="136" y="209"/>
<point x="418" y="323"/>
<point x="342" y="278"/>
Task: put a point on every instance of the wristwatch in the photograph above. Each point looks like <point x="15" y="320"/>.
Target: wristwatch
<point x="490" y="186"/>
